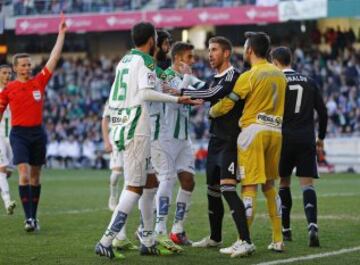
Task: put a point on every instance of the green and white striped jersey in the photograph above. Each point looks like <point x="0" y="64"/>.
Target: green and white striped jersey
<point x="5" y="124"/>
<point x="129" y="113"/>
<point x="177" y="117"/>
<point x="157" y="109"/>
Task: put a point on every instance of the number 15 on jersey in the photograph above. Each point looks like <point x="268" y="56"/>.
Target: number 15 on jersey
<point x="120" y="87"/>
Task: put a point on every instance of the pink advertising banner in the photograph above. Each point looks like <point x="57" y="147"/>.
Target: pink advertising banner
<point x="162" y="18"/>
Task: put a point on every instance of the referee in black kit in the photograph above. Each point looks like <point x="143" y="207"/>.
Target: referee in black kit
<point x="299" y="144"/>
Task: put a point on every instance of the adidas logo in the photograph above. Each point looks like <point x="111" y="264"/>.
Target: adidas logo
<point x="309" y="205"/>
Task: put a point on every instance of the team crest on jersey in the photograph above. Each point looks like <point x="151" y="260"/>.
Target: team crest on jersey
<point x="37" y="95"/>
<point x="151" y="79"/>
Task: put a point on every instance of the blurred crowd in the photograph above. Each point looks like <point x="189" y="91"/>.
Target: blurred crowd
<point x="73" y="109"/>
<point x="42" y="7"/>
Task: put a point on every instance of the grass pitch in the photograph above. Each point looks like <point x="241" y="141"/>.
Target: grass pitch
<point x="73" y="215"/>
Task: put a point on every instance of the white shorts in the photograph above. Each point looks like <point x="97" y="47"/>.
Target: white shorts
<point x="137" y="161"/>
<point x="6" y="154"/>
<point x="116" y="159"/>
<point x="171" y="157"/>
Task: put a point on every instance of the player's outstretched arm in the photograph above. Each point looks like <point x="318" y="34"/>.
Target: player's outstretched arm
<point x="56" y="51"/>
<point x="240" y="89"/>
<point x="222" y="107"/>
<point x="152" y="95"/>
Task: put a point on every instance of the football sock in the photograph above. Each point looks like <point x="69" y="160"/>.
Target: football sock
<point x="114" y="179"/>
<point x="163" y="200"/>
<point x="286" y="205"/>
<point x="26" y="200"/>
<point x="128" y="200"/>
<point x="310" y="205"/>
<point x="35" y="194"/>
<point x="183" y="202"/>
<point x="249" y="199"/>
<point x="215" y="212"/>
<point x="147" y="214"/>
<point x="274" y="209"/>
<point x="237" y="210"/>
<point x="122" y="234"/>
<point x="4" y="189"/>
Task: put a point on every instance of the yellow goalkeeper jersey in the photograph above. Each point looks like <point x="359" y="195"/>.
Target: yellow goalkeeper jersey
<point x="263" y="88"/>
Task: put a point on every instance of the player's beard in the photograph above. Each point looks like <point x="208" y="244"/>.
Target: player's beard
<point x="161" y="55"/>
<point x="152" y="50"/>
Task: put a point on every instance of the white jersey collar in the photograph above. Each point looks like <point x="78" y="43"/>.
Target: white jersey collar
<point x="224" y="72"/>
<point x="288" y="70"/>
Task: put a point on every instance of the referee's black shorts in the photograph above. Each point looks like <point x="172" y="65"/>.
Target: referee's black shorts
<point x="301" y="156"/>
<point x="222" y="160"/>
<point x="28" y="145"/>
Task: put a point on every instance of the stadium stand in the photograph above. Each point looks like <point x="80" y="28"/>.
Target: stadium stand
<point x="45" y="7"/>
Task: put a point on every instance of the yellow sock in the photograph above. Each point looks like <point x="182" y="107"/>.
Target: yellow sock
<point x="274" y="209"/>
<point x="249" y="198"/>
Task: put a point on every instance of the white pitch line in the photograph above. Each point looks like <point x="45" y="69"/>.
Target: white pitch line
<point x="327" y="195"/>
<point x="75" y="211"/>
<point x="321" y="217"/>
<point x="311" y="257"/>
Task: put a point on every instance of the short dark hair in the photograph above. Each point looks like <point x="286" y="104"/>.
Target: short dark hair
<point x="4" y="66"/>
<point x="224" y="43"/>
<point x="18" y="56"/>
<point x="179" y="47"/>
<point x="282" y="55"/>
<point x="162" y="35"/>
<point x="142" y="32"/>
<point x="259" y="43"/>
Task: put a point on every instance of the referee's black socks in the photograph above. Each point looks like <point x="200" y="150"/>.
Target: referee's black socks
<point x="310" y="205"/>
<point x="35" y="194"/>
<point x="215" y="212"/>
<point x="26" y="200"/>
<point x="237" y="209"/>
<point x="286" y="205"/>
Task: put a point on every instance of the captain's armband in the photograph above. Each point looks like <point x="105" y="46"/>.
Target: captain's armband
<point x="234" y="97"/>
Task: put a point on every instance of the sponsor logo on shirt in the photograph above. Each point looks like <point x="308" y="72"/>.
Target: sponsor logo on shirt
<point x="37" y="95"/>
<point x="151" y="79"/>
<point x="270" y="120"/>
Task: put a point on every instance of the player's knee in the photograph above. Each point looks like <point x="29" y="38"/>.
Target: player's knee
<point x="186" y="181"/>
<point x="285" y="182"/>
<point x="151" y="181"/>
<point x="138" y="190"/>
<point x="267" y="186"/>
<point x="308" y="187"/>
<point x="304" y="182"/>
